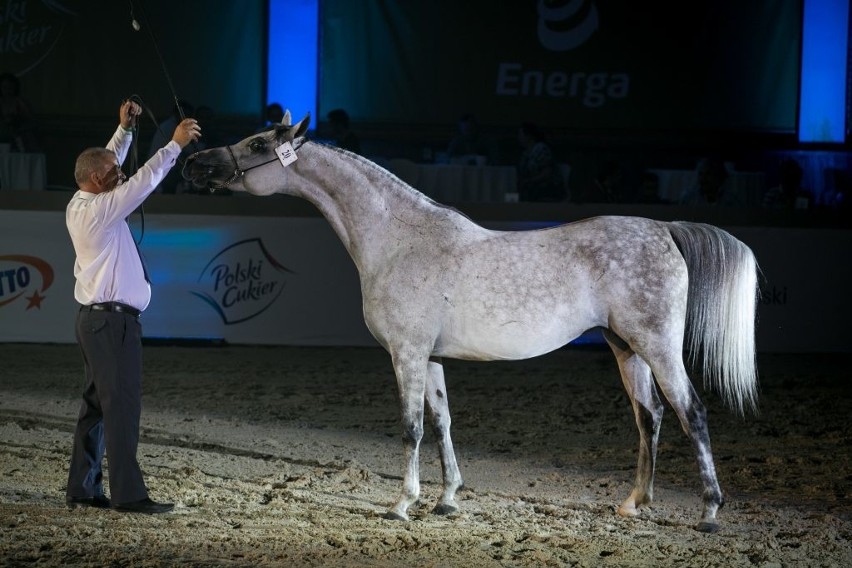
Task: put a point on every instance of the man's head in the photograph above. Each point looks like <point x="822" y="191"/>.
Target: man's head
<point x="339" y="120"/>
<point x="468" y="125"/>
<point x="97" y="170"/>
<point x="274" y="113"/>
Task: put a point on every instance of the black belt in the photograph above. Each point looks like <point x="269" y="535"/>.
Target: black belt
<point x="112" y="307"/>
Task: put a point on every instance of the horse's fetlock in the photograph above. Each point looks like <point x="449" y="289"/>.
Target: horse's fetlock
<point x="714" y="497"/>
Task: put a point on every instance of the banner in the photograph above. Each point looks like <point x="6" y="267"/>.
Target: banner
<point x="82" y="57"/>
<point x="289" y="281"/>
<point x="576" y="64"/>
<point x="246" y="280"/>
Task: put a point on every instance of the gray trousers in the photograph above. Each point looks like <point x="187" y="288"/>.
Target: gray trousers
<point x="111" y="345"/>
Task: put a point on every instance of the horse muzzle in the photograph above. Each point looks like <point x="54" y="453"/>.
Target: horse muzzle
<point x="203" y="173"/>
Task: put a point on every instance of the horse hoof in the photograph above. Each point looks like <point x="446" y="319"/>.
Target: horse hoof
<point x="627" y="511"/>
<point x="444" y="509"/>
<point x="394" y="516"/>
<point x="707" y="527"/>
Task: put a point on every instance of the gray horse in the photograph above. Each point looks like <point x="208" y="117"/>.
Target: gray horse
<point x="435" y="284"/>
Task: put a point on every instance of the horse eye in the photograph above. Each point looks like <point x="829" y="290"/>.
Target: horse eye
<point x="257" y="145"/>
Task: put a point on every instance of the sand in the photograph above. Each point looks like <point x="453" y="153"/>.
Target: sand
<point x="282" y="456"/>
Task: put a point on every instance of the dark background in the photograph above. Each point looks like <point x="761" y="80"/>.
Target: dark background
<point x="670" y="82"/>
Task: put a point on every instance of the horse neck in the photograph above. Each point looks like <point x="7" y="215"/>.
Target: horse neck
<point x="364" y="204"/>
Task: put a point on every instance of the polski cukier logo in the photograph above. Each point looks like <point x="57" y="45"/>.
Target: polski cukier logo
<point x="26" y="277"/>
<point x="29" y="32"/>
<point x="242" y="281"/>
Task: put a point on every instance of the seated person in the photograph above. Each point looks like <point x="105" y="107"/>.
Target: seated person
<point x="343" y="137"/>
<point x="470" y="143"/>
<point x="606" y="187"/>
<point x="17" y="127"/>
<point x="788" y="194"/>
<point x="713" y="187"/>
<point x="274" y="115"/>
<point x="539" y="178"/>
<point x="649" y="189"/>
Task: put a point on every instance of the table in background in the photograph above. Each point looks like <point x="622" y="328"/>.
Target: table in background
<point x="22" y="172"/>
<point x="672" y="184"/>
<point x="457" y="183"/>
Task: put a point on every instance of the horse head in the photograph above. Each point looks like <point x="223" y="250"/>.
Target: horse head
<point x="233" y="166"/>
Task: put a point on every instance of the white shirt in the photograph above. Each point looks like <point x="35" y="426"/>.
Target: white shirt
<point x="108" y="268"/>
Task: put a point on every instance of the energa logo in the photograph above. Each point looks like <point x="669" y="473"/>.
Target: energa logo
<point x="566" y="24"/>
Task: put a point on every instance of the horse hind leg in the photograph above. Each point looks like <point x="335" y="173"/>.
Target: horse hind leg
<point x="678" y="390"/>
<point x="436" y="400"/>
<point x="648" y="411"/>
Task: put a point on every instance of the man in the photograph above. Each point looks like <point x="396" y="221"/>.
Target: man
<point x="113" y="290"/>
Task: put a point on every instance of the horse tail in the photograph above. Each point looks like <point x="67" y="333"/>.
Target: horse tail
<point x="721" y="310"/>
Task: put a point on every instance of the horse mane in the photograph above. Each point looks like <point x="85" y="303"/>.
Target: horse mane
<point x="384" y="173"/>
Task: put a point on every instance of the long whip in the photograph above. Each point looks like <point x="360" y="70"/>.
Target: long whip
<point x="134" y="154"/>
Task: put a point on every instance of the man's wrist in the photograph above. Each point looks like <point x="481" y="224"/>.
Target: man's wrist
<point x="127" y="129"/>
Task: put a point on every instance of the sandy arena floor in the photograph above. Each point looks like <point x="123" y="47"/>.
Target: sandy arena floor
<point x="290" y="457"/>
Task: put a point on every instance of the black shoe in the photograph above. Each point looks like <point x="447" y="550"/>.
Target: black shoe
<point x="145" y="506"/>
<point x="98" y="501"/>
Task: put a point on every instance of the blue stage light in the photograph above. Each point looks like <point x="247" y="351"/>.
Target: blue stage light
<point x="292" y="62"/>
<point x="822" y="91"/>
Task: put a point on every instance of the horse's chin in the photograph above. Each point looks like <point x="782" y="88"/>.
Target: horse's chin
<point x="259" y="192"/>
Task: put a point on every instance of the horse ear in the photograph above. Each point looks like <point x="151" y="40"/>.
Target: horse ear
<point x="301" y="127"/>
<point x="286" y="120"/>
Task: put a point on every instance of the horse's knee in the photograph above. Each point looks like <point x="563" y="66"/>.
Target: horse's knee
<point x="412" y="432"/>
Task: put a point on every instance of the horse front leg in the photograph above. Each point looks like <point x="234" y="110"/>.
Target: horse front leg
<point x="648" y="411"/>
<point x="436" y="400"/>
<point x="411" y="376"/>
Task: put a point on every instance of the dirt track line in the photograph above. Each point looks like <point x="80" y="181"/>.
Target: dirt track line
<point x="154" y="437"/>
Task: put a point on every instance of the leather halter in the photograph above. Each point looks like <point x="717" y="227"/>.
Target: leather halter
<point x="239" y="172"/>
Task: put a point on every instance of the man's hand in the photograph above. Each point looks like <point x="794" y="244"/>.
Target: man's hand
<point x="187" y="131"/>
<point x="127" y="114"/>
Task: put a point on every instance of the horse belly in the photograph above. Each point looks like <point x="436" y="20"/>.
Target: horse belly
<point x="506" y="338"/>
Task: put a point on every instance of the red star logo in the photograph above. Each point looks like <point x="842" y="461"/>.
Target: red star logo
<point x="35" y="300"/>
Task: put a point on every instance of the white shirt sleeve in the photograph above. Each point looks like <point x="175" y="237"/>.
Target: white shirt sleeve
<point x="107" y="267"/>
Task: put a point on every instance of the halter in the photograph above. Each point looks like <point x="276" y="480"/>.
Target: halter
<point x="239" y="172"/>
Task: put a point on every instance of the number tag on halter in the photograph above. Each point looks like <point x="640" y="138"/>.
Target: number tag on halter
<point x="286" y="154"/>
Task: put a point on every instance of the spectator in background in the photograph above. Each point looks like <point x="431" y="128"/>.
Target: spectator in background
<point x="649" y="189"/>
<point x="17" y="127"/>
<point x="274" y="115"/>
<point x="344" y="138"/>
<point x="469" y="143"/>
<point x="213" y="138"/>
<point x="713" y="187"/>
<point x="838" y="195"/>
<point x="539" y="178"/>
<point x="788" y="194"/>
<point x="173" y="180"/>
<point x="606" y="186"/>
